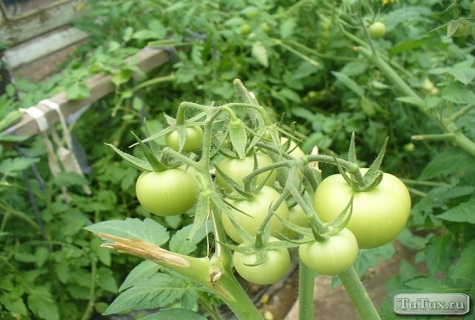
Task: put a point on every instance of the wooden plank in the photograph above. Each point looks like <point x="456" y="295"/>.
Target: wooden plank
<point x="42" y="46"/>
<point x="99" y="85"/>
<point x="19" y="28"/>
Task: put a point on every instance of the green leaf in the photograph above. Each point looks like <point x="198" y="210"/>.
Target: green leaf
<point x="160" y="290"/>
<point x="132" y="228"/>
<point x="77" y="91"/>
<point x="184" y="242"/>
<point x="144" y="270"/>
<point x="287" y="27"/>
<point x="149" y="155"/>
<point x="106" y="280"/>
<point x="259" y="52"/>
<point x="41" y="303"/>
<point x="464" y="212"/>
<point x="464" y="269"/>
<point x="439" y="253"/>
<point x="450" y="162"/>
<point x="238" y="137"/>
<point x="412" y="100"/>
<point x="10" y="165"/>
<point x="13" y="305"/>
<point x="463" y="73"/>
<point x="455" y="94"/>
<point x="290" y="95"/>
<point x="349" y="83"/>
<point x="140" y="164"/>
<point x="173" y="314"/>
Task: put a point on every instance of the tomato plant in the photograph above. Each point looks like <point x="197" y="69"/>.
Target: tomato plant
<point x="238" y="169"/>
<point x="193" y="139"/>
<point x="378" y="214"/>
<point x="168" y="192"/>
<point x="250" y="213"/>
<point x="274" y="266"/>
<point x="330" y="256"/>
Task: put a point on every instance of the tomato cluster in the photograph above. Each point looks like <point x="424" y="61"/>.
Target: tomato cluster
<point x="259" y="213"/>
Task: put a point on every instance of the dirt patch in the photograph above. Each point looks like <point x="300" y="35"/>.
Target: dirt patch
<point x="330" y="303"/>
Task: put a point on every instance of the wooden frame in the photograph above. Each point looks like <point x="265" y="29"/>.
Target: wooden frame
<point x="99" y="85"/>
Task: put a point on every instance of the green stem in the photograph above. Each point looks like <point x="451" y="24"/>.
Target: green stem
<point x="306" y="292"/>
<point x="92" y="293"/>
<point x="464" y="143"/>
<point x="358" y="295"/>
<point x="153" y="81"/>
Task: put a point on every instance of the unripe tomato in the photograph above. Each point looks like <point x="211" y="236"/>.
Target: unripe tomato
<point x="331" y="256"/>
<point x="193" y="139"/>
<point x="274" y="267"/>
<point x="245" y="29"/>
<point x="293" y="149"/>
<point x="238" y="169"/>
<point x="167" y="193"/>
<point x="461" y="31"/>
<point x="250" y="214"/>
<point x="377" y="30"/>
<point x="378" y="215"/>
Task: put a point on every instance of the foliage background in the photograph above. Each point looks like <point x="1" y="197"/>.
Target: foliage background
<point x="297" y="59"/>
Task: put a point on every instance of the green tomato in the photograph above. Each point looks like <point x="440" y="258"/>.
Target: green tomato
<point x="168" y="192"/>
<point x="292" y="148"/>
<point x="250" y="214"/>
<point x="461" y="30"/>
<point x="331" y="256"/>
<point x="377" y="30"/>
<point x="273" y="269"/>
<point x="378" y="215"/>
<point x="238" y="169"/>
<point x="245" y="29"/>
<point x="193" y="139"/>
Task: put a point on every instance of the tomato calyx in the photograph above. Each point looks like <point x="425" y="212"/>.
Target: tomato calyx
<point x="371" y="178"/>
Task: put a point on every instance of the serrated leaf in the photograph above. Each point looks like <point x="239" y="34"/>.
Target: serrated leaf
<point x="144" y="270"/>
<point x="465" y="75"/>
<point x="259" y="52"/>
<point x="173" y="314"/>
<point x="438" y="253"/>
<point x="185" y="242"/>
<point x="16" y="164"/>
<point x="465" y="267"/>
<point x="160" y="290"/>
<point x="464" y="212"/>
<point x="106" y="280"/>
<point x="448" y="163"/>
<point x="41" y="303"/>
<point x="458" y="95"/>
<point x="132" y="228"/>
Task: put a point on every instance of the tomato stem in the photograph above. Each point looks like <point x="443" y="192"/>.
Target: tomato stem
<point x="306" y="292"/>
<point x="358" y="295"/>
